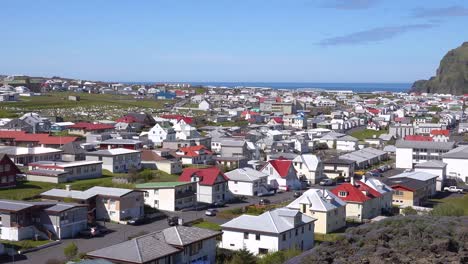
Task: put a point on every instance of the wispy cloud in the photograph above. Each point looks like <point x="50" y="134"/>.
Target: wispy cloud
<point x="350" y="4"/>
<point x="373" y="35"/>
<point x="451" y="11"/>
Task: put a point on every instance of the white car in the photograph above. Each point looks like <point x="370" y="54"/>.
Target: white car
<point x="211" y="212"/>
<point x="453" y="189"/>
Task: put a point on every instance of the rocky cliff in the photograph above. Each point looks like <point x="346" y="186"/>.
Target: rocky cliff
<point x="451" y="76"/>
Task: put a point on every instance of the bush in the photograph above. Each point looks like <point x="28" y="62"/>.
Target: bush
<point x="146" y="175"/>
<point x="243" y="256"/>
<point x="278" y="257"/>
<point x="447" y="210"/>
<point x="70" y="251"/>
<point x="409" y="211"/>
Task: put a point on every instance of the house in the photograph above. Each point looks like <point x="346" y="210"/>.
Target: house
<point x="409" y="153"/>
<point x="185" y="131"/>
<point x="309" y="167"/>
<point x="457" y="160"/>
<point x="346" y="143"/>
<point x="73" y="152"/>
<point x="169" y="196"/>
<point x="412" y="191"/>
<point x="116" y="160"/>
<point x="212" y="184"/>
<point x="178" y="244"/>
<point x="362" y="201"/>
<point x="23" y="139"/>
<point x="366" y="157"/>
<point x="272" y="231"/>
<point x="195" y="155"/>
<point x="337" y="167"/>
<point x="120" y="143"/>
<point x="26" y="155"/>
<point x="104" y="203"/>
<point x="440" y="135"/>
<point x="84" y="128"/>
<point x="435" y="167"/>
<point x="25" y="220"/>
<point x="59" y="171"/>
<point x="282" y="175"/>
<point x="383" y="189"/>
<point x="8" y="171"/>
<point x="160" y="159"/>
<point x="204" y="105"/>
<point x="159" y="133"/>
<point x="247" y="181"/>
<point x="323" y="205"/>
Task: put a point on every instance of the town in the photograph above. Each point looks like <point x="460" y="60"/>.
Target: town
<point x="100" y="172"/>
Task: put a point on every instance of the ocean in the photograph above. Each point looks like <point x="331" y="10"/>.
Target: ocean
<point x="355" y="87"/>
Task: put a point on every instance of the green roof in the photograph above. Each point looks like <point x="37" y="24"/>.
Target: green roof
<point x="159" y="184"/>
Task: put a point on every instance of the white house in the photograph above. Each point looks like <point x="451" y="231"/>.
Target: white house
<point x="310" y="167"/>
<point x="435" y="167"/>
<point x="323" y="205"/>
<point x="409" y="153"/>
<point x="204" y="105"/>
<point x="212" y="184"/>
<point x="346" y="143"/>
<point x="159" y="133"/>
<point x="185" y="131"/>
<point x="169" y="196"/>
<point x="457" y="163"/>
<point x="282" y="175"/>
<point x="116" y="160"/>
<point x="247" y="181"/>
<point x="272" y="231"/>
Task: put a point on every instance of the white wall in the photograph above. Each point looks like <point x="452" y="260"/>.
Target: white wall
<point x="457" y="168"/>
<point x="404" y="158"/>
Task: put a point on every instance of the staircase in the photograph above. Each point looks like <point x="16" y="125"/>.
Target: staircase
<point x="43" y="232"/>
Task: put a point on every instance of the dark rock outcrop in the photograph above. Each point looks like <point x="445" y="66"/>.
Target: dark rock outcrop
<point x="451" y="76"/>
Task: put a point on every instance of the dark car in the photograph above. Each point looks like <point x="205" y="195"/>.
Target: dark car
<point x="137" y="221"/>
<point x="297" y="194"/>
<point x="219" y="204"/>
<point x="173" y="221"/>
<point x="264" y="202"/>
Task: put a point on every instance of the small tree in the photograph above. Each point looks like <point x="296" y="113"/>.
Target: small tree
<point x="243" y="256"/>
<point x="409" y="211"/>
<point x="70" y="251"/>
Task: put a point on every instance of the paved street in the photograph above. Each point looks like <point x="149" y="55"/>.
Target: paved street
<point x="121" y="233"/>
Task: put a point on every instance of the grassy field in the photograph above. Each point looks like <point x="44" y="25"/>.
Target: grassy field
<point x="457" y="202"/>
<point x="368" y="133"/>
<point x="24" y="244"/>
<point x="60" y="100"/>
<point x="250" y="210"/>
<point x="208" y="225"/>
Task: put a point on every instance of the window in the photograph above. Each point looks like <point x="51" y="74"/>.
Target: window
<point x="284" y="237"/>
<point x="297" y="231"/>
<point x="302" y="230"/>
<point x="399" y="193"/>
<point x="262" y="251"/>
<point x="310" y="227"/>
<point x="7" y="167"/>
<point x="246" y="235"/>
<point x="146" y="194"/>
<point x="257" y="236"/>
<point x="342" y="194"/>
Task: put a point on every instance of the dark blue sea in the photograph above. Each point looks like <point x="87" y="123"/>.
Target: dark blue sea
<point x="355" y="87"/>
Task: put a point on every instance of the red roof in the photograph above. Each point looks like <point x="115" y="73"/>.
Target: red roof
<point x="373" y="111"/>
<point x="207" y="176"/>
<point x="187" y="120"/>
<point x="90" y="126"/>
<point x="418" y="138"/>
<point x="127" y="119"/>
<point x="443" y="132"/>
<point x="244" y="113"/>
<point x="46" y="139"/>
<point x="278" y="120"/>
<point x="281" y="166"/>
<point x="192" y="150"/>
<point x="179" y="92"/>
<point x="356" y="193"/>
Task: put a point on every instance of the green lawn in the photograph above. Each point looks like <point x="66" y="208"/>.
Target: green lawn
<point x="332" y="237"/>
<point x="26" y="190"/>
<point x="458" y="202"/>
<point x="250" y="210"/>
<point x="208" y="225"/>
<point x="24" y="244"/>
<point x="368" y="133"/>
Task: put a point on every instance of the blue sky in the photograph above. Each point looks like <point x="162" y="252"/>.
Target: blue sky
<point x="230" y="40"/>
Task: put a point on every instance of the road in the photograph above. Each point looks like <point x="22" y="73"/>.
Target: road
<point x="121" y="233"/>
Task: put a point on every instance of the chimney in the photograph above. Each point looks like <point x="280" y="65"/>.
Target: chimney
<point x="68" y="187"/>
<point x="352" y="180"/>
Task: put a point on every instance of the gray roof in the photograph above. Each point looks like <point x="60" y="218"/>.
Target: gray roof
<point x="60" y="207"/>
<point x="460" y="152"/>
<point x="245" y="175"/>
<point x="425" y="144"/>
<point x="73" y="148"/>
<point x="84" y="195"/>
<point x="154" y="245"/>
<point x="432" y="164"/>
<point x="347" y="138"/>
<point x="8" y="205"/>
<point x="318" y="200"/>
<point x="417" y="175"/>
<point x="273" y="222"/>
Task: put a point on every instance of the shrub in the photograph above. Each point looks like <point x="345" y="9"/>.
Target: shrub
<point x="447" y="210"/>
<point x="146" y="175"/>
<point x="70" y="251"/>
<point x="409" y="211"/>
<point x="243" y="256"/>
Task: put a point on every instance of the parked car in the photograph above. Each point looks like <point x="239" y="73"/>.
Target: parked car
<point x="219" y="204"/>
<point x="326" y="182"/>
<point x="90" y="232"/>
<point x="173" y="220"/>
<point x="297" y="194"/>
<point x="264" y="202"/>
<point x="453" y="189"/>
<point x="138" y="221"/>
<point x="211" y="212"/>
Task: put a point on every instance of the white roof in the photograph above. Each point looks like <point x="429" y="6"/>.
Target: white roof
<point x="245" y="174"/>
<point x="111" y="152"/>
<point x="310" y="160"/>
<point x="276" y="221"/>
<point x="377" y="185"/>
<point x="12" y="150"/>
<point x="65" y="164"/>
<point x="318" y="200"/>
<point x="417" y="175"/>
<point x="83" y="195"/>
